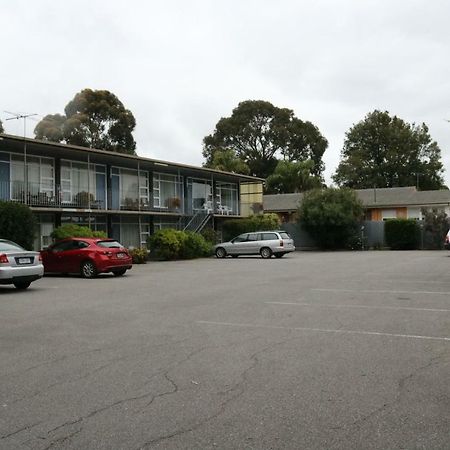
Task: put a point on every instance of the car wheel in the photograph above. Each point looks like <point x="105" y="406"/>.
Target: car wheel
<point x="279" y="255"/>
<point x="221" y="252"/>
<point x="265" y="252"/>
<point x="119" y="273"/>
<point x="88" y="269"/>
<point x="22" y="284"/>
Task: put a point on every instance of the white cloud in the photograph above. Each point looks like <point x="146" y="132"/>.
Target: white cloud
<point x="180" y="66"/>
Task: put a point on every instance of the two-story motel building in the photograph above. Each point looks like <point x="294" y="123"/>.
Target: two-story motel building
<point x="129" y="197"/>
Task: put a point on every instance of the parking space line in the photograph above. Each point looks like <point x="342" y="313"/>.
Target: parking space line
<point x="316" y="305"/>
<point x="324" y="330"/>
<point x="369" y="291"/>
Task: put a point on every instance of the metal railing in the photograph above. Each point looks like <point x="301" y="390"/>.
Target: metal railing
<point x="47" y="195"/>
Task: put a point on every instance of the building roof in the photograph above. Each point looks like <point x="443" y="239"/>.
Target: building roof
<point x="371" y="198"/>
<point x="40" y="144"/>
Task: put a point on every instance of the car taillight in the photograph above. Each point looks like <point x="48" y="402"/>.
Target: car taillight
<point x="3" y="259"/>
<point x="108" y="253"/>
<point x="281" y="243"/>
<point x="40" y="257"/>
<point x="446" y="239"/>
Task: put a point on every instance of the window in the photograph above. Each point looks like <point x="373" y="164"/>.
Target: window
<point x="285" y="236"/>
<point x="241" y="238"/>
<point x="109" y="244"/>
<point x="226" y="198"/>
<point x="252" y="237"/>
<point x="269" y="236"/>
<point x="167" y="191"/>
<point x="63" y="246"/>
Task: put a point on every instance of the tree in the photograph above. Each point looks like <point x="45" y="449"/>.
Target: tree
<point x="331" y="216"/>
<point x="384" y="151"/>
<point x="259" y="133"/>
<point x="95" y="119"/>
<point x="51" y="128"/>
<point x="17" y="223"/>
<point x="291" y="177"/>
<point x="227" y="161"/>
<point x="435" y="227"/>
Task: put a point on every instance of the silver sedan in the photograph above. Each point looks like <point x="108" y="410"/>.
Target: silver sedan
<point x="19" y="266"/>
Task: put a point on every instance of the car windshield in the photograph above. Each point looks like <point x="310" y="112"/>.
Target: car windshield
<point x="8" y="246"/>
<point x="109" y="244"/>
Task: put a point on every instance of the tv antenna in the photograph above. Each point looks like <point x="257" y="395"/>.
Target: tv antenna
<point x="17" y="116"/>
<point x="24" y="116"/>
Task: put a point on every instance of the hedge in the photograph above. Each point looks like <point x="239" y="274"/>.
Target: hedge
<point x="72" y="230"/>
<point x="260" y="222"/>
<point x="17" y="224"/>
<point x="402" y="234"/>
<point x="170" y="244"/>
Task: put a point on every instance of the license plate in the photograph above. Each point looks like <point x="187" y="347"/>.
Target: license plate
<point x="121" y="255"/>
<point x="24" y="261"/>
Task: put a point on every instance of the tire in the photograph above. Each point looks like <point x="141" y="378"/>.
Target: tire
<point x="221" y="252"/>
<point x="279" y="255"/>
<point x="88" y="270"/>
<point x="265" y="252"/>
<point x="119" y="273"/>
<point x="21" y="285"/>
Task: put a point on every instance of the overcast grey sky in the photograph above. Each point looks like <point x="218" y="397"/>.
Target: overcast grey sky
<point x="180" y="65"/>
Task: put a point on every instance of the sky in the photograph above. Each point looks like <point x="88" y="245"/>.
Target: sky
<point x="181" y="65"/>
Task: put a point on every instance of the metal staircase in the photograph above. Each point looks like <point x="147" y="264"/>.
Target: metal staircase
<point x="198" y="221"/>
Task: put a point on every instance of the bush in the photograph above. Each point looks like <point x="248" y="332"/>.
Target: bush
<point x="17" y="223"/>
<point x="170" y="244"/>
<point x="260" y="222"/>
<point x="139" y="255"/>
<point x="331" y="217"/>
<point x="166" y="244"/>
<point x="72" y="230"/>
<point x="435" y="227"/>
<point x="195" y="246"/>
<point x="402" y="234"/>
<point x="212" y="236"/>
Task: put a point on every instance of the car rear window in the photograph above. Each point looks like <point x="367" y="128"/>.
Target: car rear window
<point x="109" y="244"/>
<point x="10" y="246"/>
<point x="284" y="236"/>
<point x="268" y="236"/>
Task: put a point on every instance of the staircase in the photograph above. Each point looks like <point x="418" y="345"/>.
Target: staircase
<point x="198" y="221"/>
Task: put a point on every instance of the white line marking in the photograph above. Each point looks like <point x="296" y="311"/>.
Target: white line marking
<point x="358" y="306"/>
<point x="368" y="291"/>
<point x="325" y="330"/>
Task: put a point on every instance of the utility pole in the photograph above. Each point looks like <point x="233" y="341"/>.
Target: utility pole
<point x="24" y="116"/>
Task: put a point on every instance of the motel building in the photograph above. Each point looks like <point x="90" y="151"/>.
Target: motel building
<point x="128" y="197"/>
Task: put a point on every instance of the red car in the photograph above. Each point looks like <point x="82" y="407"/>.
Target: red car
<point x="86" y="256"/>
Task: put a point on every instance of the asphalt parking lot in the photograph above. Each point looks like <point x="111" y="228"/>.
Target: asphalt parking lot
<point x="313" y="351"/>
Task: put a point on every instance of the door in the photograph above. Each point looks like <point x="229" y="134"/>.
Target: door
<point x="251" y="245"/>
<point x="237" y="245"/>
<point x="53" y="257"/>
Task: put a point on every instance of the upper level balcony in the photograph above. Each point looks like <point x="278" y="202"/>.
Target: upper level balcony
<point x="49" y="196"/>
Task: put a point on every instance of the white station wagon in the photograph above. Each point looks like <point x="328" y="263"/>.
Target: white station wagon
<point x="264" y="243"/>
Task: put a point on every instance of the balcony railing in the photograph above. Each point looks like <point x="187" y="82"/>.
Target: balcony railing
<point x="48" y="196"/>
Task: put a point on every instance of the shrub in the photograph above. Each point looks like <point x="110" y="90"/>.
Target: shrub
<point x="331" y="216"/>
<point x="17" y="223"/>
<point x="166" y="244"/>
<point x="170" y="244"/>
<point x="210" y="235"/>
<point x="72" y="230"/>
<point x="195" y="246"/>
<point x="139" y="255"/>
<point x="435" y="227"/>
<point x="260" y="222"/>
<point x="402" y="234"/>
